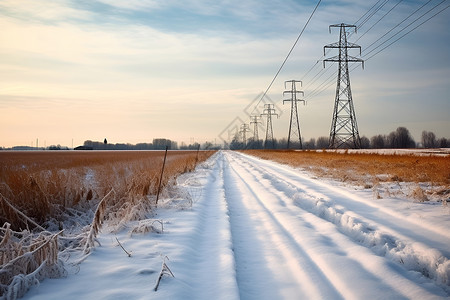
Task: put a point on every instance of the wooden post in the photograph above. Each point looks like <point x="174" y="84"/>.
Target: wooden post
<point x="162" y="172"/>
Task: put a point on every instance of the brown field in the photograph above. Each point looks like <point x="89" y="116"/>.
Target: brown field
<point x="355" y="167"/>
<point x="45" y="185"/>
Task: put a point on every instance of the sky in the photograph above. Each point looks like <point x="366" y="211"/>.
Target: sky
<point x="193" y="70"/>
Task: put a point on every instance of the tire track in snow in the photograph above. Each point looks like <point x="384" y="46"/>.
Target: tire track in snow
<point x="209" y="272"/>
<point x="311" y="250"/>
<point x="266" y="242"/>
<point x="314" y="197"/>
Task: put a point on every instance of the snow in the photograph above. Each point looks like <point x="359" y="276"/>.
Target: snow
<point x="243" y="228"/>
<point x="444" y="152"/>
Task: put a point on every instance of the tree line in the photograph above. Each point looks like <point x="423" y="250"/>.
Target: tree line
<point x="157" y="144"/>
<point x="399" y="138"/>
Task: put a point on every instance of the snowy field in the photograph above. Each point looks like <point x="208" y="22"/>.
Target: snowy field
<point x="260" y="230"/>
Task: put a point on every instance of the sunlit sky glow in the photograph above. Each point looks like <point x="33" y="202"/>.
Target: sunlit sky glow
<point x="131" y="71"/>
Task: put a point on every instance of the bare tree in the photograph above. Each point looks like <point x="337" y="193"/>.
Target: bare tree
<point x="405" y="139"/>
<point x="428" y="139"/>
<point x="311" y="144"/>
<point x="322" y="142"/>
<point x="365" y="142"/>
<point x="401" y="138"/>
<point x="378" y="141"/>
<point x="443" y="143"/>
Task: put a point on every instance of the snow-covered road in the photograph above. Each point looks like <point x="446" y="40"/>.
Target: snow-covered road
<point x="322" y="241"/>
<point x="261" y="230"/>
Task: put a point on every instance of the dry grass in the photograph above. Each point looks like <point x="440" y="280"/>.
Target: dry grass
<point x="46" y="185"/>
<point x="48" y="188"/>
<point x="355" y="167"/>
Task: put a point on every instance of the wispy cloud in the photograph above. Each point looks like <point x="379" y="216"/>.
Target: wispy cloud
<point x="50" y="12"/>
<point x="152" y="61"/>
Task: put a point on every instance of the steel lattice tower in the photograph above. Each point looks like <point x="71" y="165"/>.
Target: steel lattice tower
<point x="344" y="129"/>
<point x="244" y="129"/>
<point x="294" y="124"/>
<point x="269" y="111"/>
<point x="255" y="121"/>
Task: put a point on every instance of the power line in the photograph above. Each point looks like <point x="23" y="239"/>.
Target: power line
<point x="317" y="76"/>
<point x="306" y="74"/>
<point x="287" y="56"/>
<point x="398" y="24"/>
<point x="411" y="23"/>
<point x="327" y="82"/>
<point x="368" y="11"/>
<point x="411" y="30"/>
<point x="379" y="20"/>
<point x="326" y="85"/>
<point x="372" y="14"/>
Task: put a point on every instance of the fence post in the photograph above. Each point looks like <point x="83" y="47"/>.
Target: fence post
<point x="162" y="172"/>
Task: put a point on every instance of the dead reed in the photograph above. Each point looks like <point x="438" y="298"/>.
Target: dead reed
<point x="47" y="186"/>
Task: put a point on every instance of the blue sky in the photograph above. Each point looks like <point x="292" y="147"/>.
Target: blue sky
<point x="134" y="70"/>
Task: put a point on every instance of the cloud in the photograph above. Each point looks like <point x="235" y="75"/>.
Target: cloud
<point x="195" y="63"/>
<point x="138" y="5"/>
<point x="95" y="59"/>
<point x="50" y="12"/>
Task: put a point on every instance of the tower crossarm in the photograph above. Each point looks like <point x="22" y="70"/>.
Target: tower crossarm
<point x="269" y="111"/>
<point x="339" y="45"/>
<point x="333" y="45"/>
<point x="255" y="120"/>
<point x="293" y="92"/>
<point x="349" y="59"/>
<point x="292" y="82"/>
<point x="342" y="25"/>
<point x="297" y="100"/>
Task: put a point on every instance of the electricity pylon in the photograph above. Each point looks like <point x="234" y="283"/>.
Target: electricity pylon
<point x="344" y="129"/>
<point x="244" y="129"/>
<point x="255" y="121"/>
<point x="269" y="111"/>
<point x="294" y="124"/>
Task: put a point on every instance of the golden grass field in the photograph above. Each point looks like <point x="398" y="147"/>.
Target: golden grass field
<point x="43" y="184"/>
<point x="357" y="166"/>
